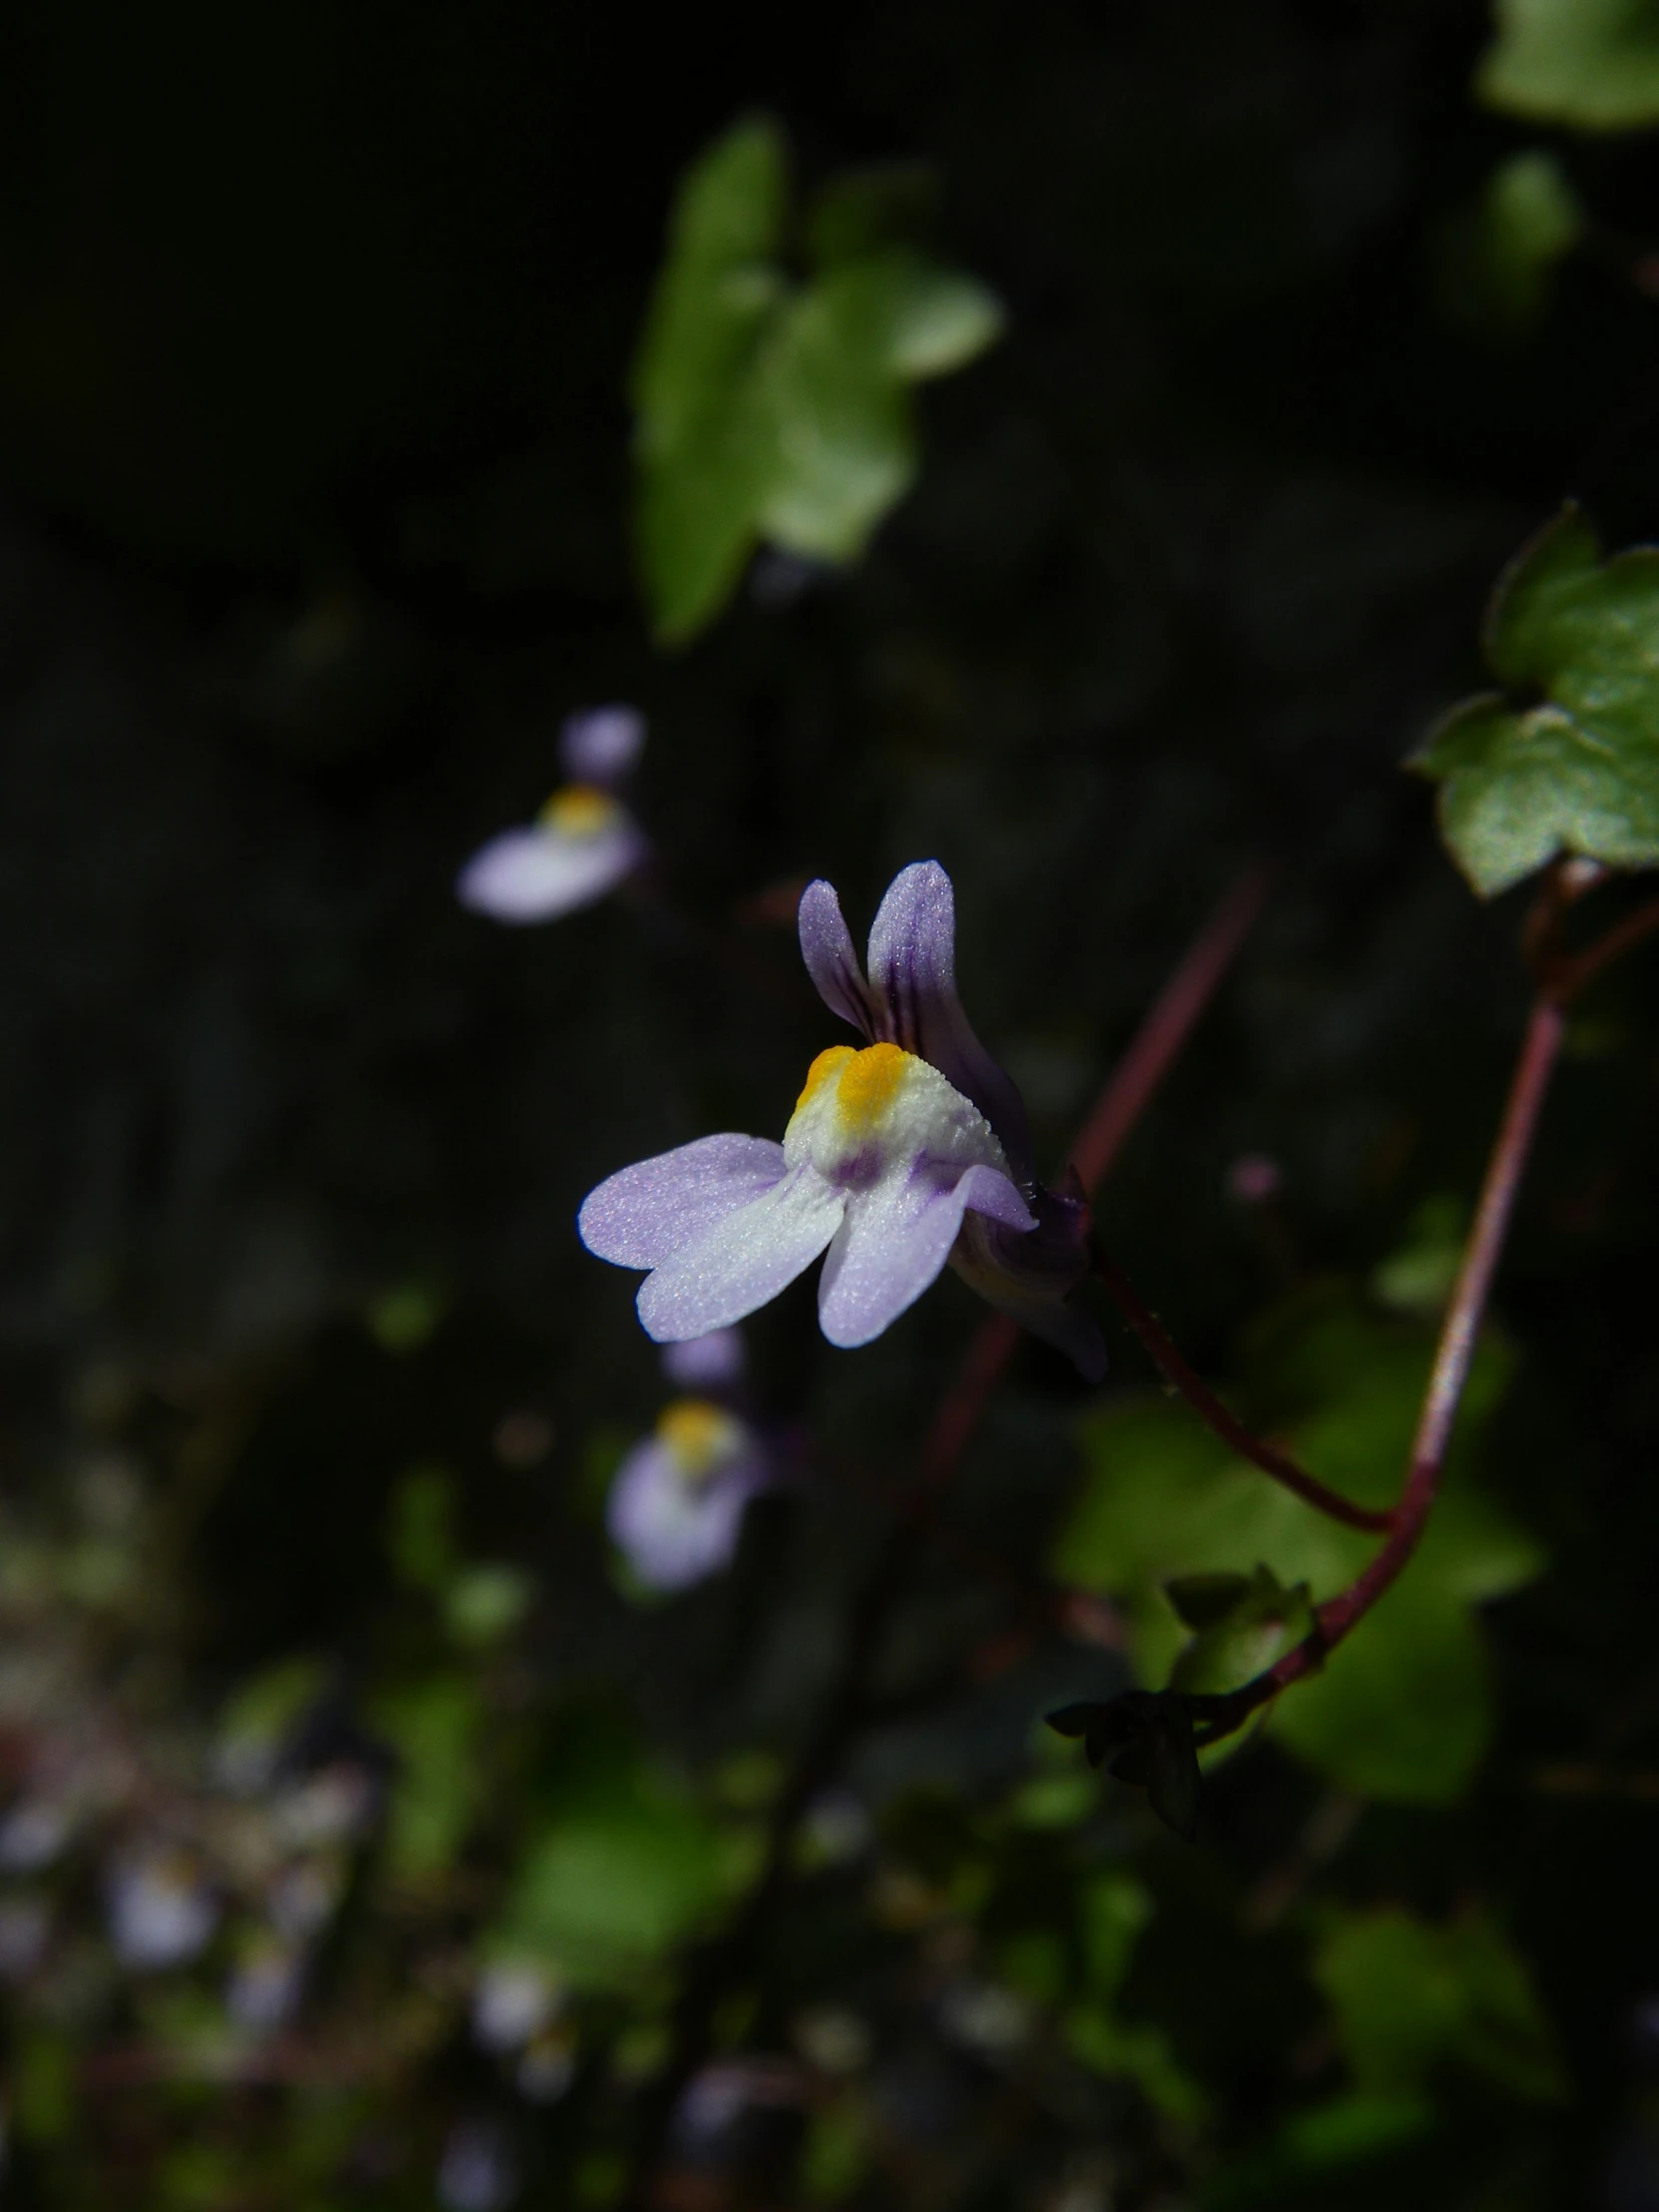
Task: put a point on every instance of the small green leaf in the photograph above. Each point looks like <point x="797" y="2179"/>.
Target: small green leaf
<point x="1590" y="63"/>
<point x="1206" y="1600"/>
<point x="1412" y="1998"/>
<point x="841" y="447"/>
<point x="434" y="1726"/>
<point x="483" y="1603"/>
<point x="1577" y="769"/>
<point x="701" y="451"/>
<point x="421" y="1538"/>
<point x="1263" y="1623"/>
<point x="1498" y="258"/>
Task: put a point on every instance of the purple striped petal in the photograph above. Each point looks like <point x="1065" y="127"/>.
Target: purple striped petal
<point x="643" y="1214"/>
<point x="894" y="1242"/>
<point x="534" y="874"/>
<point x="826" y="948"/>
<point x="601" y="744"/>
<point x="912" y="974"/>
<point x="743" y="1261"/>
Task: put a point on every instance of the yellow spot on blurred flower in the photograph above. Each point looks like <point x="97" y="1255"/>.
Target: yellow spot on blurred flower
<point x="698" y="1435"/>
<point x="581" y="811"/>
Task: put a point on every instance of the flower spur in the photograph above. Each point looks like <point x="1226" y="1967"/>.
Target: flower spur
<point x="902" y="1156"/>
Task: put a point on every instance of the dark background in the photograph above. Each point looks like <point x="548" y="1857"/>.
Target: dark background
<point x="314" y="331"/>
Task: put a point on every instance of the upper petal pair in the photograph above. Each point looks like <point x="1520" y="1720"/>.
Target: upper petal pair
<point x="910" y="998"/>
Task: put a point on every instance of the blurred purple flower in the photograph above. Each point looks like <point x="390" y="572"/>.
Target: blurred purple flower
<point x="583" y="843"/>
<point x="712" y="1362"/>
<point x="678" y="1500"/>
<point x="263" y="1993"/>
<point x="478" y="2172"/>
<point x="899" y="1158"/>
<point x="33" y="1833"/>
<point x="601" y="744"/>
<point x="161" y="1912"/>
<point x="513" y="2001"/>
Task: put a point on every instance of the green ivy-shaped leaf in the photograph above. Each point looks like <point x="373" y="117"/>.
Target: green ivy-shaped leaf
<point x="1590" y="63"/>
<point x="773" y="410"/>
<point x="1566" y="758"/>
<point x="1403" y="1709"/>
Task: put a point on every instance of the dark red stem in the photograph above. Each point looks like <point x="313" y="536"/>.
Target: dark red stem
<point x="1335" y="1619"/>
<point x="1210" y="1408"/>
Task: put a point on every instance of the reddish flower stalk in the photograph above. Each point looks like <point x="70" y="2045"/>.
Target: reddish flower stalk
<point x="1227" y="1425"/>
<point x="1220" y="1716"/>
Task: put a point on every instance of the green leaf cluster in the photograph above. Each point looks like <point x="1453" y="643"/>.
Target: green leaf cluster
<point x="1593" y="64"/>
<point x="1403" y="1709"/>
<point x="1412" y="1999"/>
<point x="1565" y="758"/>
<point x="777" y="411"/>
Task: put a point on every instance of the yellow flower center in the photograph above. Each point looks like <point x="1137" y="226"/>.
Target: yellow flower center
<point x="580" y="810"/>
<point x="700" y="1436"/>
<point x="864" y="1114"/>
<point x="867" y="1083"/>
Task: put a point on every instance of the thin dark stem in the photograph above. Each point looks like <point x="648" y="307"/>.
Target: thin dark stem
<point x="1570" y="976"/>
<point x="1157" y="1043"/>
<point x="1337" y="1617"/>
<point x="1210" y="1408"/>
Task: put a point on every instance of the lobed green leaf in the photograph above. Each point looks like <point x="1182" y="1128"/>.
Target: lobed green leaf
<point x="1567" y="761"/>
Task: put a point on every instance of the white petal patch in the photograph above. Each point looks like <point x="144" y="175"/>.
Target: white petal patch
<point x="742" y="1262"/>
<point x="535" y="875"/>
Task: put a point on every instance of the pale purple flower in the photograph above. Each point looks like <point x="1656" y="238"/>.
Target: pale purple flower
<point x="583" y="843"/>
<point x="264" y="1985"/>
<point x="478" y="2172"/>
<point x="514" y="2000"/>
<point x="899" y="1158"/>
<point x="677" y="1503"/>
<point x="600" y="744"/>
<point x="161" y="1912"/>
<point x="712" y="1362"/>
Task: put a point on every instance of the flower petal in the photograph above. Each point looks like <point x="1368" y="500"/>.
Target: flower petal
<point x="643" y="1215"/>
<point x="534" y="874"/>
<point x="712" y="1362"/>
<point x="912" y="974"/>
<point x="744" y="1259"/>
<point x="602" y="743"/>
<point x="826" y="948"/>
<point x="672" y="1532"/>
<point x="894" y="1242"/>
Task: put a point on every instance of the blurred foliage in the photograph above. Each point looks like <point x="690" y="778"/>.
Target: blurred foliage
<point x="366" y="1843"/>
<point x="1499" y="257"/>
<point x="777" y="412"/>
<point x="1591" y="63"/>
